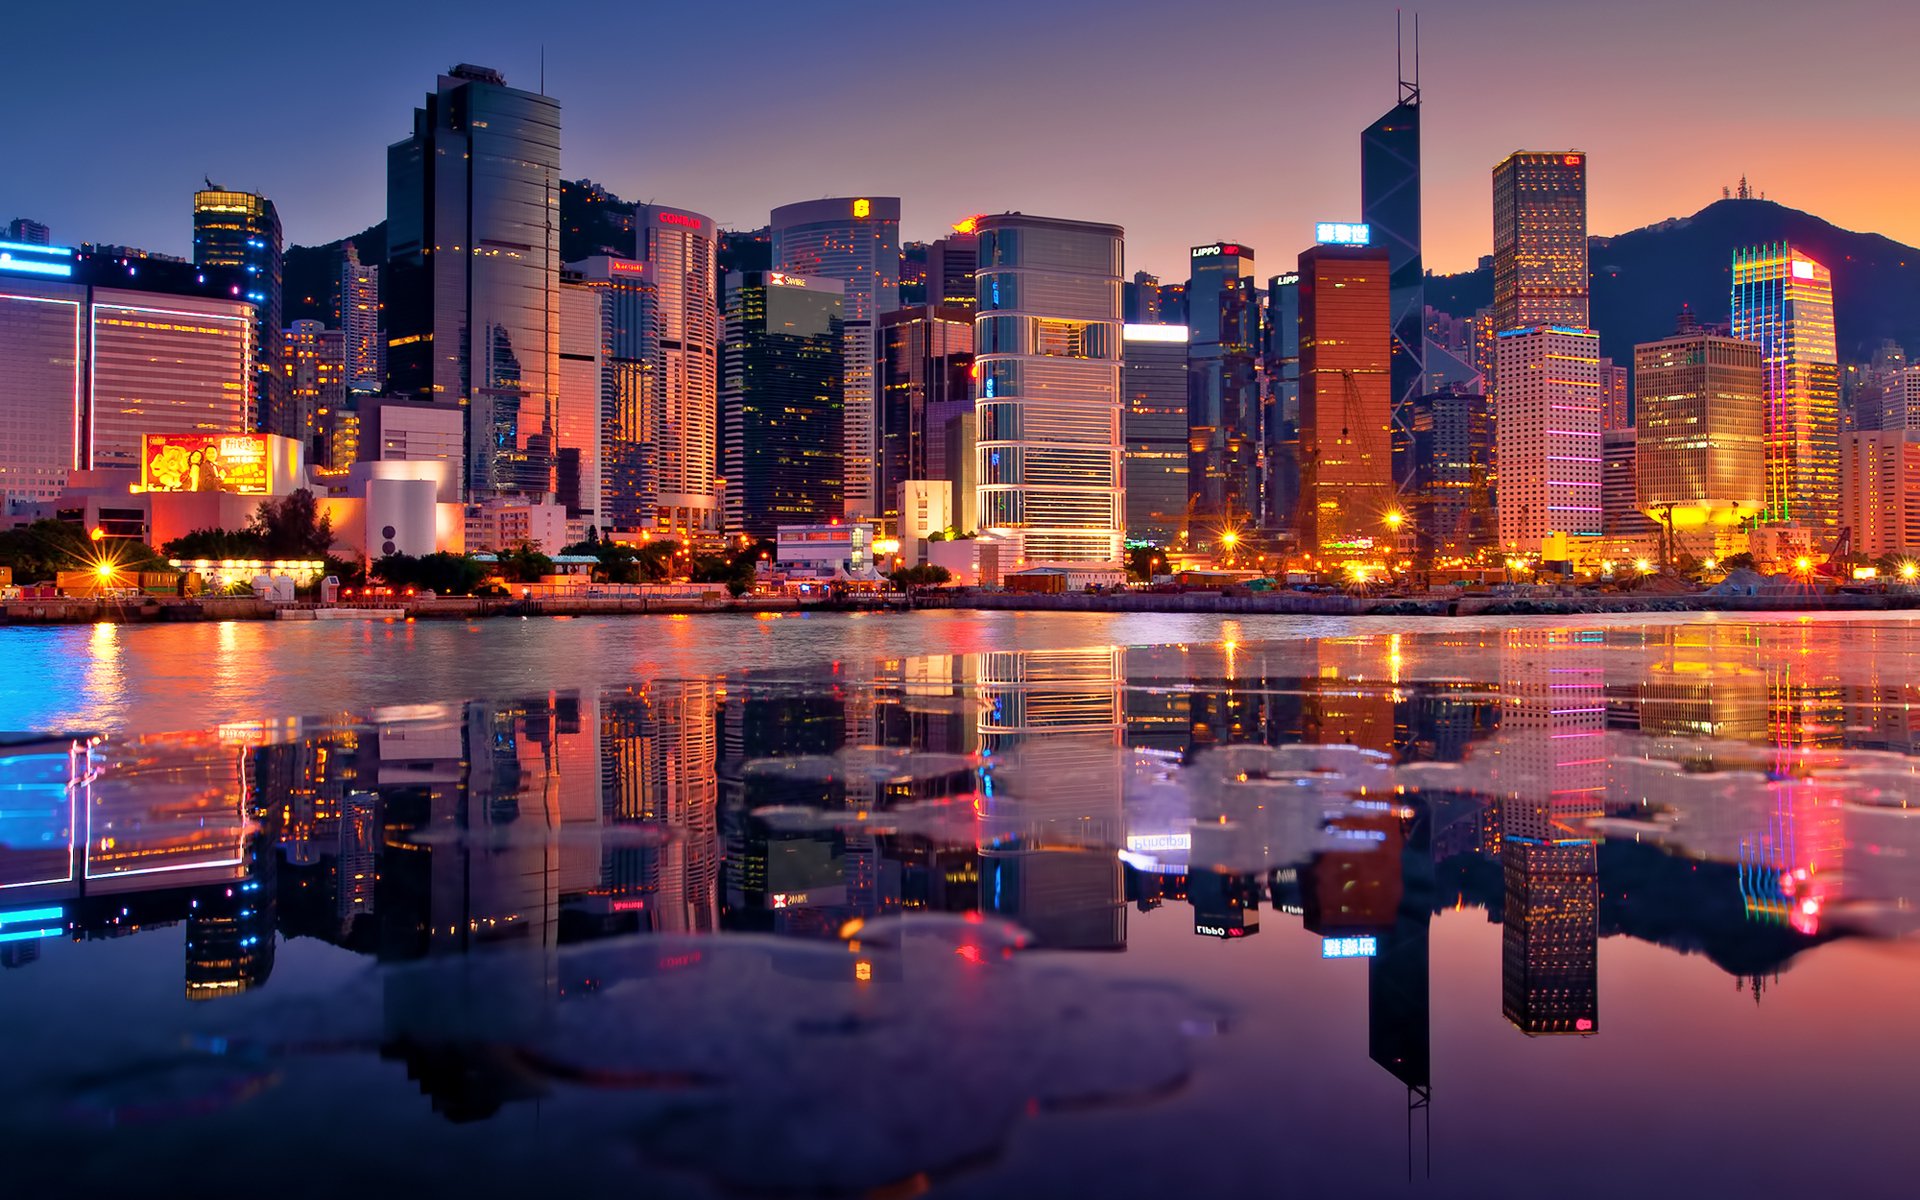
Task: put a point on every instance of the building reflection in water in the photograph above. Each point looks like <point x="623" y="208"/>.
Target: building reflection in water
<point x="1356" y="786"/>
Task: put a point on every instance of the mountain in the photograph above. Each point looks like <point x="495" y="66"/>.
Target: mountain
<point x="1640" y="279"/>
<point x="310" y="275"/>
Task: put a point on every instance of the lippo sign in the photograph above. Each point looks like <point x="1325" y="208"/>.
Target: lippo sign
<point x="201" y="462"/>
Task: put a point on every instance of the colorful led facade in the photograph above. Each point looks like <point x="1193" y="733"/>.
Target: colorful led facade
<point x="1540" y="272"/>
<point x="1783" y="300"/>
<point x="1047" y="390"/>
<point x="1701" y="456"/>
<point x="1548" y="433"/>
<point x="1346" y="400"/>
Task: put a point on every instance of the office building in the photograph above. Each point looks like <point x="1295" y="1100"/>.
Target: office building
<point x="402" y="429"/>
<point x="1783" y="300"/>
<point x="1448" y="500"/>
<point x="1899" y="389"/>
<point x="1880" y="491"/>
<point x="239" y="231"/>
<point x="1280" y="372"/>
<point x="1390" y="210"/>
<point x="314" y="359"/>
<point x="951" y="261"/>
<point x="28" y="232"/>
<point x="587" y="399"/>
<point x="780" y="401"/>
<point x="1047" y="392"/>
<point x="1620" y="515"/>
<point x="680" y="341"/>
<point x="1540" y="240"/>
<point x="1155" y="430"/>
<point x="96" y="351"/>
<point x="1701" y="422"/>
<point x="1547" y="432"/>
<point x="1224" y="411"/>
<point x="926" y="365"/>
<point x="1346" y="400"/>
<point x="1616" y="396"/>
<point x="855" y="240"/>
<point x="360" y="323"/>
<point x="473" y="272"/>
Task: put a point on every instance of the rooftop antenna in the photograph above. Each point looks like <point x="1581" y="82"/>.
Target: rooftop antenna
<point x="1409" y="88"/>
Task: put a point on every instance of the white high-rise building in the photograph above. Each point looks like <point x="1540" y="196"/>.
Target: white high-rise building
<point x="857" y="241"/>
<point x="360" y="323"/>
<point x="1547" y="409"/>
<point x="1048" y="356"/>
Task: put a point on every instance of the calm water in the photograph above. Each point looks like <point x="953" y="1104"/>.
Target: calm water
<point x="975" y="905"/>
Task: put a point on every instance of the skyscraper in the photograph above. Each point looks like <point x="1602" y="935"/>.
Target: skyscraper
<point x="586" y="389"/>
<point x="313" y="357"/>
<point x="1783" y="300"/>
<point x="473" y="271"/>
<point x="1453" y="456"/>
<point x="855" y="240"/>
<point x="1547" y="430"/>
<point x="1880" y="491"/>
<point x="1223" y="393"/>
<point x="359" y="321"/>
<point x="680" y="341"/>
<point x="951" y="261"/>
<point x="926" y="363"/>
<point x="1540" y="240"/>
<point x="240" y="231"/>
<point x="780" y="401"/>
<point x="1390" y="207"/>
<point x="1155" y="427"/>
<point x="1346" y="470"/>
<point x="1701" y="404"/>
<point x="1280" y="371"/>
<point x="1047" y="389"/>
<point x="1616" y="396"/>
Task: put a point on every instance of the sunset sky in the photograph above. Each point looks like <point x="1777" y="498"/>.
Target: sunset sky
<point x="1186" y="123"/>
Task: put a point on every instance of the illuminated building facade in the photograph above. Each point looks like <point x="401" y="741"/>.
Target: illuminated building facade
<point x="1540" y="272"/>
<point x="315" y="361"/>
<point x="951" y="262"/>
<point x="96" y="351"/>
<point x="855" y="240"/>
<point x="679" y="340"/>
<point x="1047" y="390"/>
<point x="1619" y="477"/>
<point x="1390" y="207"/>
<point x="1280" y="371"/>
<point x="1783" y="300"/>
<point x="926" y="365"/>
<point x="1880" y="491"/>
<point x="1448" y="499"/>
<point x="239" y="231"/>
<point x="1346" y="399"/>
<point x="1701" y="424"/>
<point x="1548" y="435"/>
<point x="1155" y="428"/>
<point x="780" y="401"/>
<point x="1223" y="393"/>
<point x="473" y="272"/>
<point x="359" y="321"/>
<point x="586" y="402"/>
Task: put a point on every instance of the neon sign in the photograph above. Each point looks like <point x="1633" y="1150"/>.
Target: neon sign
<point x="1343" y="233"/>
<point x="621" y="266"/>
<point x="681" y="219"/>
<point x="1206" y="251"/>
<point x="1349" y="947"/>
<point x="786" y="280"/>
<point x="862" y="209"/>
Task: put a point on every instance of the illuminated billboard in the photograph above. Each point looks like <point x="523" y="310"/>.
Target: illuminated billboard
<point x="1349" y="947"/>
<point x="1343" y="233"/>
<point x="207" y="462"/>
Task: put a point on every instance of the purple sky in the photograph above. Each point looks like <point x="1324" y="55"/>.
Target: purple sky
<point x="1186" y="123"/>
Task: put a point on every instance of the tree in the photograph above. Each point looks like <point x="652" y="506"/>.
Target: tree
<point x="906" y="579"/>
<point x="524" y="564"/>
<point x="1144" y="562"/>
<point x="39" y="551"/>
<point x="293" y="526"/>
<point x="1737" y="562"/>
<point x="440" y="572"/>
<point x="218" y="544"/>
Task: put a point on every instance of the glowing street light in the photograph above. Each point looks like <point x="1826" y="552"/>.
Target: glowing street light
<point x="1229" y="539"/>
<point x="1395" y="518"/>
<point x="1643" y="566"/>
<point x="1909" y="571"/>
<point x="1803" y="564"/>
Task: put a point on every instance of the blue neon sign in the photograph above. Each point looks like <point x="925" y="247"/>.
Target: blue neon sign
<point x="1349" y="947"/>
<point x="1343" y="233"/>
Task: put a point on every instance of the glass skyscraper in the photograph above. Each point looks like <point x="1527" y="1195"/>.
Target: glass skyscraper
<point x="1223" y="393"/>
<point x="1783" y="300"/>
<point x="1700" y="455"/>
<point x="1281" y="404"/>
<point x="1390" y="207"/>
<point x="1047" y="390"/>
<point x="780" y="401"/>
<point x="239" y="231"/>
<point x="926" y="363"/>
<point x="855" y="240"/>
<point x="1540" y="272"/>
<point x="473" y="271"/>
<point x="1156" y="433"/>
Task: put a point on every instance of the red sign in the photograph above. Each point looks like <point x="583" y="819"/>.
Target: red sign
<point x="621" y="266"/>
<point x="667" y="218"/>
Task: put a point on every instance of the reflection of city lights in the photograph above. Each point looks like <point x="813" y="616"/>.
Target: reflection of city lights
<point x="863" y="971"/>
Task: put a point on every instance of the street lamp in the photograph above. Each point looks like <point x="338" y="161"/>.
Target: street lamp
<point x="1909" y="571"/>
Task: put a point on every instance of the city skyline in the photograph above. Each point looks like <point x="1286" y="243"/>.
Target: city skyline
<point x="1648" y="163"/>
